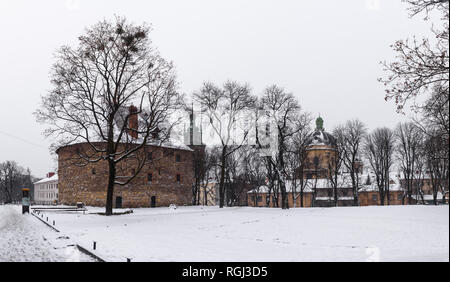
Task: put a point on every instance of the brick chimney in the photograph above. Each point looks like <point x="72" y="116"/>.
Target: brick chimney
<point x="50" y="174"/>
<point x="133" y="122"/>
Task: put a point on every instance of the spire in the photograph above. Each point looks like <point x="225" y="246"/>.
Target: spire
<point x="319" y="123"/>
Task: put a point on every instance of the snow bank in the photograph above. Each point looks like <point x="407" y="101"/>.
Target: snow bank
<point x="24" y="239"/>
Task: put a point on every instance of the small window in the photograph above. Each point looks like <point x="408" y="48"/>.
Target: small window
<point x="252" y="198"/>
<point x="93" y="171"/>
<point x="168" y="152"/>
<point x="149" y="177"/>
<point x="259" y="199"/>
<point x="400" y="197"/>
<point x="316" y="161"/>
<point x="374" y="198"/>
<point x="178" y="178"/>
<point x="133" y="171"/>
<point x="178" y="158"/>
<point x="150" y="156"/>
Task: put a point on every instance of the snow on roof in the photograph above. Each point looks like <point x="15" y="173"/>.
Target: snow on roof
<point x="171" y="144"/>
<point x="321" y="137"/>
<point x="393" y="186"/>
<point x="344" y="181"/>
<point x="289" y="187"/>
<point x="48" y="179"/>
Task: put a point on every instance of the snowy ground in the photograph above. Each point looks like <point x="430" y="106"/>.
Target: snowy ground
<point x="24" y="238"/>
<point x="396" y="233"/>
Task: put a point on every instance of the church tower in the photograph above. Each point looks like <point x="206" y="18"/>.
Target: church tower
<point x="321" y="152"/>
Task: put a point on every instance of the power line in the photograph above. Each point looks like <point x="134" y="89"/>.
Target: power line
<point x="23" y="140"/>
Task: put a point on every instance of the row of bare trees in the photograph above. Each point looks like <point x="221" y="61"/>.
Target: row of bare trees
<point x="258" y="140"/>
<point x="420" y="77"/>
<point x="114" y="77"/>
<point x="271" y="152"/>
<point x="409" y="152"/>
<point x="13" y="178"/>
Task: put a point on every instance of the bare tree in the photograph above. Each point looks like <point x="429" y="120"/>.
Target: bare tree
<point x="316" y="170"/>
<point x="113" y="92"/>
<point x="421" y="64"/>
<point x="224" y="108"/>
<point x="200" y="164"/>
<point x="285" y="114"/>
<point x="409" y="142"/>
<point x="233" y="182"/>
<point x="12" y="179"/>
<point x="435" y="113"/>
<point x="419" y="6"/>
<point x="336" y="161"/>
<point x="252" y="170"/>
<point x="297" y="156"/>
<point x="379" y="148"/>
<point x="353" y="136"/>
<point x="436" y="150"/>
<point x="212" y="173"/>
<point x="211" y="161"/>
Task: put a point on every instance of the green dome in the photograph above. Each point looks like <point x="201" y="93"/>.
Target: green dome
<point x="319" y="123"/>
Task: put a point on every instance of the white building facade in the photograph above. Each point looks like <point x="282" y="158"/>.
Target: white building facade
<point x="46" y="190"/>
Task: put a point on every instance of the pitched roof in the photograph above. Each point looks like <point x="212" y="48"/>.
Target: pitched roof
<point x="344" y="181"/>
<point x="47" y="179"/>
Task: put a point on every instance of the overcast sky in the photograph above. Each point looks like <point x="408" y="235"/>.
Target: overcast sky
<point x="325" y="52"/>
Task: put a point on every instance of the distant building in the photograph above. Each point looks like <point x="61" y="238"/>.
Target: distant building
<point x="234" y="194"/>
<point x="46" y="190"/>
<point x="209" y="194"/>
<point x="318" y="188"/>
<point x="422" y="190"/>
<point x="321" y="152"/>
<point x="369" y="195"/>
<point x="263" y="197"/>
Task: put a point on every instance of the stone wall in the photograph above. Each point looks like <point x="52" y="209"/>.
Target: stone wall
<point x="318" y="161"/>
<point x="371" y="198"/>
<point x="88" y="183"/>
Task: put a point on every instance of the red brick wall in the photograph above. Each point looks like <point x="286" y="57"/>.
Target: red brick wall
<point x="79" y="184"/>
<point x="372" y="198"/>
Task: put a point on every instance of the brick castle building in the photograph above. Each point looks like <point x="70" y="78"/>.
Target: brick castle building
<point x="166" y="178"/>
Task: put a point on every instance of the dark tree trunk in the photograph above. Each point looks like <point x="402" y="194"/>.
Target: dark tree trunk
<point x="222" y="177"/>
<point x="110" y="192"/>
<point x="284" y="198"/>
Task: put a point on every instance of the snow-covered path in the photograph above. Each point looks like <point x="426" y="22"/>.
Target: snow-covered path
<point x="23" y="238"/>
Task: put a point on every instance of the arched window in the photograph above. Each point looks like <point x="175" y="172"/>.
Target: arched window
<point x="316" y="160"/>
